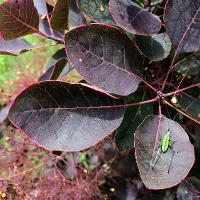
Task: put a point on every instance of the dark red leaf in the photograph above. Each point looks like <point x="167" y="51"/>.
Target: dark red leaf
<point x="105" y="57"/>
<point x="66" y="117"/>
<point x="59" y="17"/>
<point x="18" y="18"/>
<point x="14" y="47"/>
<point x="147" y="139"/>
<point x="182" y="24"/>
<point x="133" y="18"/>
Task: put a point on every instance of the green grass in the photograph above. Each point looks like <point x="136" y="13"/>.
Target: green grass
<point x="34" y="60"/>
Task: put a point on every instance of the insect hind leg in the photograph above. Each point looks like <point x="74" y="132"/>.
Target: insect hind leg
<point x="173" y="152"/>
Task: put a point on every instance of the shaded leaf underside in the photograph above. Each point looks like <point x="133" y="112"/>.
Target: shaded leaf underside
<point x="133" y="117"/>
<point x="76" y="17"/>
<point x="133" y="18"/>
<point x="156" y="47"/>
<point x="14" y="47"/>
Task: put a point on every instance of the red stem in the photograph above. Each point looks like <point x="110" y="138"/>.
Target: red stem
<point x="186" y="115"/>
<point x="170" y="68"/>
<point x="181" y="90"/>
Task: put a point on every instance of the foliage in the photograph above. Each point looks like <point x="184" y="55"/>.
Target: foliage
<point x="131" y="56"/>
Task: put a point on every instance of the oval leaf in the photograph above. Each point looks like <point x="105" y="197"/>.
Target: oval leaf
<point x="156" y="47"/>
<point x="18" y="18"/>
<point x="170" y="168"/>
<point x="133" y="18"/>
<point x="97" y="11"/>
<point x="105" y="57"/>
<point x="66" y="117"/>
<point x="182" y="24"/>
<point x="15" y="47"/>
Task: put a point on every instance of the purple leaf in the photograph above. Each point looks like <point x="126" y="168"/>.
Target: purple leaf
<point x="18" y="18"/>
<point x="65" y="117"/>
<point x="41" y="7"/>
<point x="54" y="72"/>
<point x="182" y="24"/>
<point x="169" y="169"/>
<point x="105" y="57"/>
<point x="133" y="18"/>
<point x="60" y="54"/>
<point x="59" y="17"/>
<point x="76" y="17"/>
<point x="44" y="22"/>
<point x="14" y="47"/>
<point x="48" y="32"/>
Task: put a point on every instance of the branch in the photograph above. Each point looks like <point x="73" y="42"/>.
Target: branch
<point x="181" y="90"/>
<point x="186" y="115"/>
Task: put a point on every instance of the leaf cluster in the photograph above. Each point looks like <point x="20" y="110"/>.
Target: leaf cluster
<point x="139" y="63"/>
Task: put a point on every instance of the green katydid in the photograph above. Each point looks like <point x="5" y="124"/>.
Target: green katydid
<point x="165" y="144"/>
